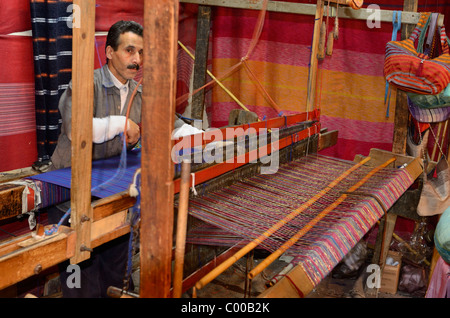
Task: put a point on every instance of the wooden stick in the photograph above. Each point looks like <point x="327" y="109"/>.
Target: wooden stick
<point x="312" y="77"/>
<point x="444" y="133"/>
<point x="250" y="246"/>
<point x="82" y="110"/>
<point x="272" y="257"/>
<point x="181" y="229"/>
<point x="401" y="118"/>
<point x="436" y="140"/>
<point x="215" y="79"/>
<point x="158" y="112"/>
<point x="201" y="60"/>
<point x="330" y="43"/>
<point x="323" y="34"/>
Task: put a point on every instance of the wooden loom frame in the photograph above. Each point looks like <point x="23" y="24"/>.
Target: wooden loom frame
<point x="105" y="217"/>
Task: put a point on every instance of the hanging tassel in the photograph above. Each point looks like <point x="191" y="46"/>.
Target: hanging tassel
<point x="420" y="69"/>
<point x="336" y="24"/>
<point x="321" y="53"/>
<point x="330" y="42"/>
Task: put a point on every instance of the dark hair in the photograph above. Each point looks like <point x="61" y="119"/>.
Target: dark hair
<point x="119" y="28"/>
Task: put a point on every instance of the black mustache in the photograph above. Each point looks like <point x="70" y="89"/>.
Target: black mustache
<point x="132" y="66"/>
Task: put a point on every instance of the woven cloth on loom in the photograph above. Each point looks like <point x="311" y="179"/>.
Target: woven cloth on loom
<point x="107" y="179"/>
<point x="248" y="208"/>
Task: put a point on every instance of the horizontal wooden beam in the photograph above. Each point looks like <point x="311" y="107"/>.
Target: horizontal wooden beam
<point x="112" y="204"/>
<point x="310" y="9"/>
<point x="26" y="256"/>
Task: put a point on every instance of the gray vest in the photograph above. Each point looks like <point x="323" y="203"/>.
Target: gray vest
<point x="106" y="103"/>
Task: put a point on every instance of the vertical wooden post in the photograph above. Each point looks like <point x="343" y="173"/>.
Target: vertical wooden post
<point x="201" y="60"/>
<point x="401" y="104"/>
<point x="158" y="113"/>
<point x="82" y="112"/>
<point x="181" y="229"/>
<point x="312" y="78"/>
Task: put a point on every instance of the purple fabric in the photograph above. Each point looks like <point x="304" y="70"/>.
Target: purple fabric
<point x="428" y="115"/>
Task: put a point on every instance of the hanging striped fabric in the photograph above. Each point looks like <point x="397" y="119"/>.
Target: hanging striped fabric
<point x="406" y="67"/>
<point x="52" y="48"/>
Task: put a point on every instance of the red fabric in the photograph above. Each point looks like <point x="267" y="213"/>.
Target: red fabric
<point x="16" y="59"/>
<point x="14" y="16"/>
<point x="346" y="149"/>
<point x="19" y="151"/>
<point x="108" y="12"/>
<point x="347" y="99"/>
<point x="99" y="54"/>
<point x="16" y="64"/>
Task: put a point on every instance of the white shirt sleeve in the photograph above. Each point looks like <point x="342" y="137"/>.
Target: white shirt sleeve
<point x="107" y="128"/>
<point x="185" y="130"/>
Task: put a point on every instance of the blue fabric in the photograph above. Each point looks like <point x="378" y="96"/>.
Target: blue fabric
<point x="105" y="170"/>
<point x="442" y="236"/>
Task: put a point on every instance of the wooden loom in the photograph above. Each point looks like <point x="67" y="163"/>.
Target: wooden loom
<point x="75" y="243"/>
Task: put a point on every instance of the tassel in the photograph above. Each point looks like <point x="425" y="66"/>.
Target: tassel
<point x="336" y="25"/>
<point x="330" y="42"/>
<point x="420" y="69"/>
<point x="321" y="54"/>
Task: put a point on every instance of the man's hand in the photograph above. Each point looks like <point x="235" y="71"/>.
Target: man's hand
<point x="133" y="133"/>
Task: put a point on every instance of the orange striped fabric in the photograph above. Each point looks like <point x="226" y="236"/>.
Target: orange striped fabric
<point x="410" y="70"/>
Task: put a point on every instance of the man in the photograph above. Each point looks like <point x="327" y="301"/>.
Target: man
<point x="113" y="87"/>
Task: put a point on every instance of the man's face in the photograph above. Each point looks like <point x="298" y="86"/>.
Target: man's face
<point x="129" y="53"/>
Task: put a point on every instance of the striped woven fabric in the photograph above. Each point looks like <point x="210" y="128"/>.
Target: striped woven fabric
<point x="52" y="52"/>
<point x="351" y="83"/>
<point x="250" y="207"/>
<point x="428" y="115"/>
<point x="16" y="108"/>
<point x="409" y="69"/>
<point x="51" y="193"/>
<point x="17" y="111"/>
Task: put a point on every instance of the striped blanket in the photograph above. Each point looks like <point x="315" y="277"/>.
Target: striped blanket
<point x="351" y="84"/>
